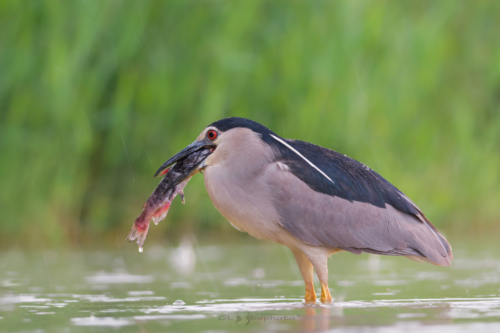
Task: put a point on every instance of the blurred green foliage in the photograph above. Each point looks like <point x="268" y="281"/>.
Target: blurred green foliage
<point x="96" y="95"/>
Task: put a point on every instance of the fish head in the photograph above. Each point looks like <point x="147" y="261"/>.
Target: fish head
<point x="188" y="162"/>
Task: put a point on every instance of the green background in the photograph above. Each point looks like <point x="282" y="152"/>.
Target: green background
<point x="96" y="95"/>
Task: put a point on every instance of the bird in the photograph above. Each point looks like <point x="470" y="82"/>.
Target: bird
<point x="313" y="200"/>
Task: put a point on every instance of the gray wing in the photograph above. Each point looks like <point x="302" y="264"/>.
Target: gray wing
<point x="321" y="219"/>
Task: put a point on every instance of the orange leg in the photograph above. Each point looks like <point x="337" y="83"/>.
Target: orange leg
<point x="325" y="294"/>
<point x="320" y="264"/>
<point x="310" y="296"/>
<point x="306" y="269"/>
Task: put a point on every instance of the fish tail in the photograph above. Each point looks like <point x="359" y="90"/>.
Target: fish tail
<point x="139" y="235"/>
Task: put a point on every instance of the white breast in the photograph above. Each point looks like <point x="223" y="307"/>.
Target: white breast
<point x="244" y="202"/>
<point x="235" y="179"/>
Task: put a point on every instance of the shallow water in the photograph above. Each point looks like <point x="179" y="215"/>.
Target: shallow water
<point x="253" y="287"/>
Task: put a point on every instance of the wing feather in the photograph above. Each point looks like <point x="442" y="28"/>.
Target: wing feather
<point x="328" y="220"/>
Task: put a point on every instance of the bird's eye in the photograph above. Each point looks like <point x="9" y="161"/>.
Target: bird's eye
<point x="212" y="135"/>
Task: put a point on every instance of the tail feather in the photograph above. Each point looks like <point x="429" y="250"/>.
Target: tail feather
<point x="446" y="245"/>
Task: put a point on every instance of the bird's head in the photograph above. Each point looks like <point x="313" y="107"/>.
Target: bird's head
<point x="222" y="133"/>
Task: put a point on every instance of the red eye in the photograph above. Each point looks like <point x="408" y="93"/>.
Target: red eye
<point x="212" y="135"/>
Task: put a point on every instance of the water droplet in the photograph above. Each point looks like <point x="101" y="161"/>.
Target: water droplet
<point x="141" y="249"/>
<point x="179" y="302"/>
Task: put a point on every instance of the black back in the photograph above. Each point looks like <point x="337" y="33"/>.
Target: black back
<point x="352" y="180"/>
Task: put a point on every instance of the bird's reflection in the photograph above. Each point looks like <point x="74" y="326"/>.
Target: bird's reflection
<point x="319" y="317"/>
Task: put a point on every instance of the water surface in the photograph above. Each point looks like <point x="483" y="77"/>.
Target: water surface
<point x="254" y="286"/>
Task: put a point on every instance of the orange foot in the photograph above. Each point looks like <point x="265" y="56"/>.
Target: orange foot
<point x="325" y="294"/>
<point x="310" y="295"/>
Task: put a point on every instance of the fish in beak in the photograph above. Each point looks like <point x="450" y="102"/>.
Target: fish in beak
<point x="188" y="162"/>
<point x="189" y="150"/>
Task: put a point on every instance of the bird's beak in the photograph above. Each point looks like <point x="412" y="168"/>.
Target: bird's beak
<point x="192" y="148"/>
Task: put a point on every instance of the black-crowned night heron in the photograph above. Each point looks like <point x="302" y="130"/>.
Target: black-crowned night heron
<point x="311" y="199"/>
